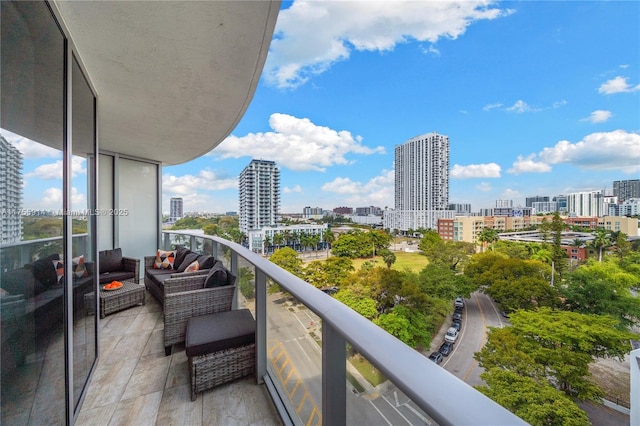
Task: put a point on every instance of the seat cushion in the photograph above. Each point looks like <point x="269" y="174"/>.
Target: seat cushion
<point x="110" y="260"/>
<point x="222" y="330"/>
<point x="115" y="276"/>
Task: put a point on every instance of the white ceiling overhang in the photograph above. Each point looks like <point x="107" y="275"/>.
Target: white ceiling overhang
<point x="173" y="78"/>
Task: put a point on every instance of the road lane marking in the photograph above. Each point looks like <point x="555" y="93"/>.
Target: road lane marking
<point x="418" y="414"/>
<point x="380" y="412"/>
<point x="303" y="351"/>
<point x="299" y="395"/>
<point x="395" y="408"/>
<point x="482" y="342"/>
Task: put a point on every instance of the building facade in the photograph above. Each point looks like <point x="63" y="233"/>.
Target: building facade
<point x="312" y="213"/>
<point x="10" y="192"/>
<point x="291" y="236"/>
<point x="176" y="209"/>
<point x="421" y="183"/>
<point x="259" y="187"/>
<point x="585" y="204"/>
<point x="544" y="207"/>
<point x="625" y="189"/>
<point x="536" y="199"/>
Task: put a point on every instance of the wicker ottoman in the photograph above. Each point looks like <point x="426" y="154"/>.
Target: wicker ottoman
<point x="221" y="348"/>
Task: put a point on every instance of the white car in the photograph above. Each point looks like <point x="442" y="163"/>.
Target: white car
<point x="451" y="336"/>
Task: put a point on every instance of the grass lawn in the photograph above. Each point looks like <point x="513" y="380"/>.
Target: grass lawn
<point x="367" y="370"/>
<point x="414" y="261"/>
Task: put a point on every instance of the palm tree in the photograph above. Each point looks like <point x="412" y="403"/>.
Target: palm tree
<point x="601" y="240"/>
<point x="328" y="238"/>
<point x="577" y="242"/>
<point x="278" y="239"/>
<point x="488" y="235"/>
<point x="266" y="243"/>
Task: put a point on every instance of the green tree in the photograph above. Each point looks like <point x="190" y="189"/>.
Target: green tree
<point x="246" y="282"/>
<point x="444" y="283"/>
<point x="451" y="254"/>
<point x="211" y="229"/>
<point x="388" y="256"/>
<point x="555" y="346"/>
<point x="623" y="246"/>
<point x="287" y="259"/>
<point x="365" y="306"/>
<point x="600" y="241"/>
<point x="488" y="236"/>
<point x="558" y="254"/>
<point x="328" y="238"/>
<point x="603" y="288"/>
<point x="537" y="403"/>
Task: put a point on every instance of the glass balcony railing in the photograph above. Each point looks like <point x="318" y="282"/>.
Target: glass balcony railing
<point x="308" y="345"/>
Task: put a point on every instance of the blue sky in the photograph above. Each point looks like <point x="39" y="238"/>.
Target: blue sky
<point x="537" y="98"/>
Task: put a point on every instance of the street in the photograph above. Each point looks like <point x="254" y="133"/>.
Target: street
<point x="295" y="354"/>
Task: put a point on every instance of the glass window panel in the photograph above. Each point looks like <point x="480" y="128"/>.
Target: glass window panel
<point x="84" y="279"/>
<point x="31" y="125"/>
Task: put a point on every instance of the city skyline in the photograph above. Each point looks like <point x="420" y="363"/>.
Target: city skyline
<point x="537" y="98"/>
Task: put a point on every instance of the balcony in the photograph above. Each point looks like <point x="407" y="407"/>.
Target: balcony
<point x="302" y="371"/>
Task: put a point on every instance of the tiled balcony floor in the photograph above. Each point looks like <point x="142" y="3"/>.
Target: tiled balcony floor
<point x="136" y="384"/>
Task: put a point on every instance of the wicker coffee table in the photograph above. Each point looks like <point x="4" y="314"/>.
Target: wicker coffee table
<point x="130" y="294"/>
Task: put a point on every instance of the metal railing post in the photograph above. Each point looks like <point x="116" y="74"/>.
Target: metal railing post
<point x="261" y="325"/>
<point x="167" y="240"/>
<point x="234" y="270"/>
<point x="334" y="377"/>
<point x="192" y="242"/>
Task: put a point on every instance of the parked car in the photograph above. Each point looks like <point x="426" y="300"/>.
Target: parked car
<point x="446" y="348"/>
<point x="436" y="357"/>
<point x="451" y="335"/>
<point x="457" y="316"/>
<point x="458" y="309"/>
<point x="456" y="324"/>
<point x="459" y="302"/>
<point x="330" y="290"/>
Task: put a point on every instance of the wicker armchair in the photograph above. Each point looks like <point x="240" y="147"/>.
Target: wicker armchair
<point x="185" y="298"/>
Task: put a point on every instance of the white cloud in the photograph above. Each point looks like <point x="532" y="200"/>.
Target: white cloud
<point x="521" y="106"/>
<point x="489" y="170"/>
<point x="598" y="116"/>
<point x="288" y="190"/>
<point x="617" y="85"/>
<point x="310" y="36"/>
<point x="29" y="148"/>
<point x="54" y="170"/>
<point x="52" y="199"/>
<point x="190" y="185"/>
<point x="297" y="144"/>
<point x="377" y="191"/>
<point x="489" y="107"/>
<point x="528" y="165"/>
<point x="616" y="150"/>
<point x="484" y="187"/>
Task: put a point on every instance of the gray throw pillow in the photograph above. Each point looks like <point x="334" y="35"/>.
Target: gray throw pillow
<point x="217" y="276"/>
<point x="181" y="252"/>
<point x="188" y="259"/>
<point x="206" y="261"/>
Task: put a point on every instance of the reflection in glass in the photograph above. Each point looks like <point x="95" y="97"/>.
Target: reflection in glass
<point x="32" y="297"/>
<point x="83" y="282"/>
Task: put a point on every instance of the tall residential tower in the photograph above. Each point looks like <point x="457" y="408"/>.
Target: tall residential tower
<point x="421" y="183"/>
<point x="259" y="187"/>
<point x="176" y="209"/>
<point x="10" y="192"/>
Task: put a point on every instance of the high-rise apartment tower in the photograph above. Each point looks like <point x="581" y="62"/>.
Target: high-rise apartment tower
<point x="259" y="186"/>
<point x="10" y="192"/>
<point x="421" y="183"/>
<point x="625" y="189"/>
<point x="176" y="209"/>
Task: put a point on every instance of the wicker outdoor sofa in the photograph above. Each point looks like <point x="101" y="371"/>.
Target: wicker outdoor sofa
<point x="184" y="295"/>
